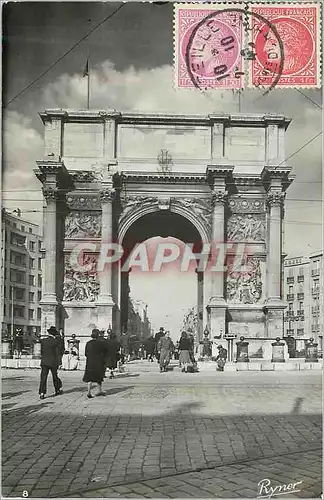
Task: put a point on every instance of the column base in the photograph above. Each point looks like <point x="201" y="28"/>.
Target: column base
<point x="105" y="307"/>
<point x="274" y="310"/>
<point x="216" y="316"/>
<point x="49" y="308"/>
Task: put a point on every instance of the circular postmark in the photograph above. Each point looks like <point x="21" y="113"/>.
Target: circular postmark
<point x="215" y="50"/>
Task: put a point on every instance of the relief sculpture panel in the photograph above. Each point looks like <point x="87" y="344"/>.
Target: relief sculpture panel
<point x="245" y="286"/>
<point x="132" y="203"/>
<point x="246" y="227"/>
<point x="83" y="225"/>
<point x="202" y="208"/>
<point x="80" y="286"/>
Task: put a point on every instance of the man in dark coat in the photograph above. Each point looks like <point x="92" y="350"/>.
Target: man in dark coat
<point x="221" y="358"/>
<point x="157" y="339"/>
<point x="51" y="355"/>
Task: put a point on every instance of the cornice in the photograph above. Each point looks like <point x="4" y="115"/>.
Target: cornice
<point x="158" y="177"/>
<point x="164" y="118"/>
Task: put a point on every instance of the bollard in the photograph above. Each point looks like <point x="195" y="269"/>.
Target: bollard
<point x="311" y="352"/>
<point x="278" y="351"/>
<point x="242" y="354"/>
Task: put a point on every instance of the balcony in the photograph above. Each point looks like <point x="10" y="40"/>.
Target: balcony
<point x="315" y="272"/>
<point x="300" y="331"/>
<point x="315" y="310"/>
<point x="300" y="296"/>
<point x="315" y="328"/>
<point x="300" y="278"/>
<point x="315" y="291"/>
<point x="290" y="314"/>
<point x="290" y="296"/>
<point x="290" y="332"/>
<point x="290" y="279"/>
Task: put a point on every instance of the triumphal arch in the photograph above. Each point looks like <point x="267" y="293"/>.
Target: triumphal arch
<point x="115" y="177"/>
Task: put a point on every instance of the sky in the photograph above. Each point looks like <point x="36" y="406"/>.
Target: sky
<point x="131" y="57"/>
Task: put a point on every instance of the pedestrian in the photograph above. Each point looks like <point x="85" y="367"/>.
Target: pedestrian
<point x="221" y="358"/>
<point x="61" y="337"/>
<point x="165" y="349"/>
<point x="124" y="347"/>
<point x="184" y="351"/>
<point x="149" y="348"/>
<point x="51" y="356"/>
<point x="113" y="356"/>
<point x="95" y="352"/>
<point x="19" y="342"/>
<point x="157" y="339"/>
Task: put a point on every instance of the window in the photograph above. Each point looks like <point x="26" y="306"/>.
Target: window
<point x="301" y="306"/>
<point x="19" y="311"/>
<point x="39" y="280"/>
<point x="19" y="293"/>
<point x="31" y="280"/>
<point x="290" y="306"/>
<point x="4" y="310"/>
<point x="32" y="263"/>
<point x="32" y="246"/>
<point x="14" y="224"/>
<point x="39" y="313"/>
<point x="30" y="313"/>
<point x="291" y="290"/>
<point x="23" y="228"/>
<point x="39" y="296"/>
<point x="17" y="239"/>
<point x="31" y="297"/>
<point x="17" y="276"/>
<point x="39" y="262"/>
<point x="290" y="272"/>
<point x="30" y="230"/>
<point x="39" y="245"/>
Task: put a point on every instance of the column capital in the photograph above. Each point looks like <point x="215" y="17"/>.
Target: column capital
<point x="50" y="193"/>
<point x="107" y="194"/>
<point x="275" y="199"/>
<point x="219" y="197"/>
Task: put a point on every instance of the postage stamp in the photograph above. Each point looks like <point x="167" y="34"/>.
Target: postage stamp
<point x="234" y="45"/>
<point x="208" y="45"/>
<point x="298" y="27"/>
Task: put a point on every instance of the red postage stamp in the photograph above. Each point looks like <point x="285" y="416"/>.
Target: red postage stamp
<point x="208" y="44"/>
<point x="234" y="45"/>
<point x="293" y="43"/>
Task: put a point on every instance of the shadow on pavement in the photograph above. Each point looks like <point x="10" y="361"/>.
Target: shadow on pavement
<point x="177" y="440"/>
<point x="8" y="395"/>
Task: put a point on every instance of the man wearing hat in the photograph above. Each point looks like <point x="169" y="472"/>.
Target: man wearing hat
<point x="51" y="354"/>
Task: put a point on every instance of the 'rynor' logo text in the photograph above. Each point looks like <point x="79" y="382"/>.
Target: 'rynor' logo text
<point x="267" y="491"/>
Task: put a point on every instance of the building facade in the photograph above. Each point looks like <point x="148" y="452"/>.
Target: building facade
<point x="21" y="276"/>
<point x="303" y="291"/>
<point x="217" y="182"/>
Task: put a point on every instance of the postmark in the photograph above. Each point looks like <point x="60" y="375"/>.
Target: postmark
<point x="298" y="26"/>
<point x="208" y="45"/>
<point x="231" y="46"/>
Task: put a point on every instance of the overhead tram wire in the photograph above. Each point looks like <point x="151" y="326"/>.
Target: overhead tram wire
<point x="63" y="56"/>
<point x="309" y="99"/>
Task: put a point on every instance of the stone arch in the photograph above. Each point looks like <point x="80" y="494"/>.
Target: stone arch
<point x="138" y="213"/>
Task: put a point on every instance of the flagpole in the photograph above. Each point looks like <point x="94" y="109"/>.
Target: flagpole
<point x="88" y="94"/>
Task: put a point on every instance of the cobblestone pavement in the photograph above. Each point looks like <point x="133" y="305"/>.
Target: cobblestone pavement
<point x="232" y="428"/>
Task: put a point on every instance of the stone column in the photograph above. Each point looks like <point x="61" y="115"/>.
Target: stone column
<point x="105" y="300"/>
<point x="49" y="299"/>
<point x="275" y="202"/>
<point x="274" y="305"/>
<point x="200" y="305"/>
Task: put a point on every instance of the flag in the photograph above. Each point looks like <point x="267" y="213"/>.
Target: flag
<point x="86" y="69"/>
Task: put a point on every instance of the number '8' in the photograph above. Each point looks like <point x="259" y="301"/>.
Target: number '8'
<point x="25" y="493"/>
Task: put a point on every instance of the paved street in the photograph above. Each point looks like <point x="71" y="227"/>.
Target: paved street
<point x="162" y="435"/>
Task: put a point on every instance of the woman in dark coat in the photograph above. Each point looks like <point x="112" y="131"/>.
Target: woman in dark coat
<point x="184" y="351"/>
<point x="95" y="366"/>
<point x="113" y="355"/>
